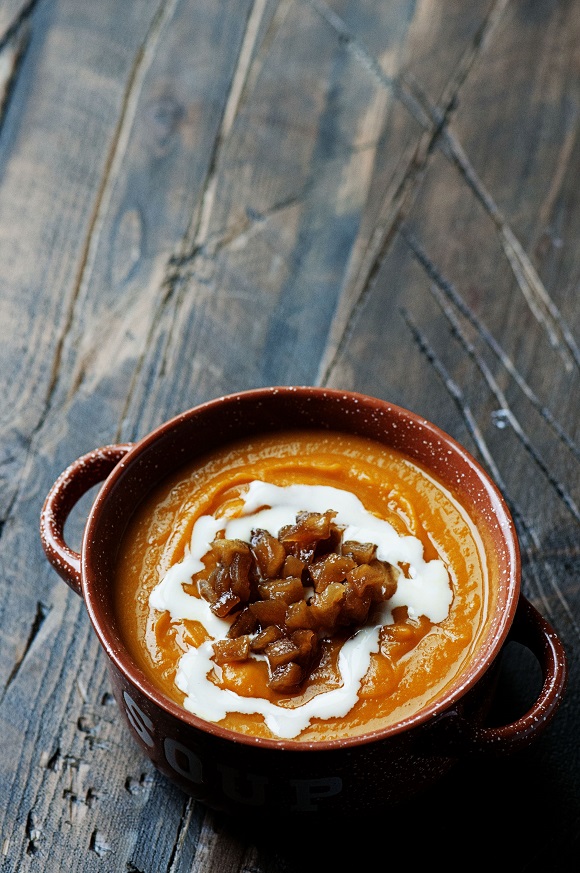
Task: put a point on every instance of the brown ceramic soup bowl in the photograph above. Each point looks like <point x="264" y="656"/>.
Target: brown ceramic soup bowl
<point x="373" y="763"/>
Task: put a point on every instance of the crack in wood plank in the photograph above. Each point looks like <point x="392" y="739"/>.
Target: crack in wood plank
<point x="411" y="95"/>
<point x="42" y="612"/>
<point x="527" y="539"/>
<point x="503" y="403"/>
<point x="217" y="848"/>
<point x="53" y="762"/>
<point x="141" y="64"/>
<point x="560" y="170"/>
<point x="535" y="294"/>
<point x="395" y="208"/>
<point x="184" y="824"/>
<point x="22" y="18"/>
<point x="133" y="89"/>
<point x="508" y="415"/>
<point x="195" y="235"/>
<point x="98" y="844"/>
<point x="236" y="234"/>
<point x="398" y="202"/>
<point x="447" y="287"/>
<point x="33" y="834"/>
<point x="243" y="67"/>
<point x="199" y="225"/>
<point x="12" y="53"/>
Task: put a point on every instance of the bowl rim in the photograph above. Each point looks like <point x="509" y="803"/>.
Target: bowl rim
<point x="122" y="660"/>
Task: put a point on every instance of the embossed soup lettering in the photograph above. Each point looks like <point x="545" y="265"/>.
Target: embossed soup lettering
<point x="250" y="789"/>
<point x="140" y="722"/>
<point x="183" y="761"/>
<point x="238" y="607"/>
<point x="310" y="791"/>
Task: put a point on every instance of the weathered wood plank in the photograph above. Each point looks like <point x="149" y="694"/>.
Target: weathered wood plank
<point x="201" y="197"/>
<point x="169" y="152"/>
<point x="294" y="230"/>
<point x="13" y="14"/>
<point x="49" y="181"/>
<point x="38" y="809"/>
<point x="481" y="228"/>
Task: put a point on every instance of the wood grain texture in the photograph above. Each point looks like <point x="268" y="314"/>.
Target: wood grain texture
<point x="204" y="196"/>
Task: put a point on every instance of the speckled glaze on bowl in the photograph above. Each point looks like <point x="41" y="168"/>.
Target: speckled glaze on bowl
<point x="242" y="774"/>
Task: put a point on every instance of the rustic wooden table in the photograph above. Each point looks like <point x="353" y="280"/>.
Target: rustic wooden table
<point x="203" y="196"/>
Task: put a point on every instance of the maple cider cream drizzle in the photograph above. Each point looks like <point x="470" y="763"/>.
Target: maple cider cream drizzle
<point x="412" y="645"/>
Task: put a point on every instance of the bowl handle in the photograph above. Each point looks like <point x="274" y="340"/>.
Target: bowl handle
<point x="531" y="630"/>
<point x="76" y="480"/>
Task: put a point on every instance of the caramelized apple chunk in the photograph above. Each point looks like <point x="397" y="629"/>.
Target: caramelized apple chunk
<point x="231" y="650"/>
<point x="268" y="552"/>
<point x="290" y="594"/>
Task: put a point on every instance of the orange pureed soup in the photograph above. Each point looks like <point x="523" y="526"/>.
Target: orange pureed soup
<point x="303" y="585"/>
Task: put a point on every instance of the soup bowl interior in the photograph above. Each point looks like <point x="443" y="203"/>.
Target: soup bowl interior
<point x="264" y="411"/>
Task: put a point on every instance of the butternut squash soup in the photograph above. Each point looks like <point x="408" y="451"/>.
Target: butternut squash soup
<point x="304" y="585"/>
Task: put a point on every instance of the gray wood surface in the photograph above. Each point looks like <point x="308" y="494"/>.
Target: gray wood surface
<point x="202" y="196"/>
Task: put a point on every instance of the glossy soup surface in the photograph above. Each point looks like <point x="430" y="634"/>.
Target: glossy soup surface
<point x="409" y="649"/>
